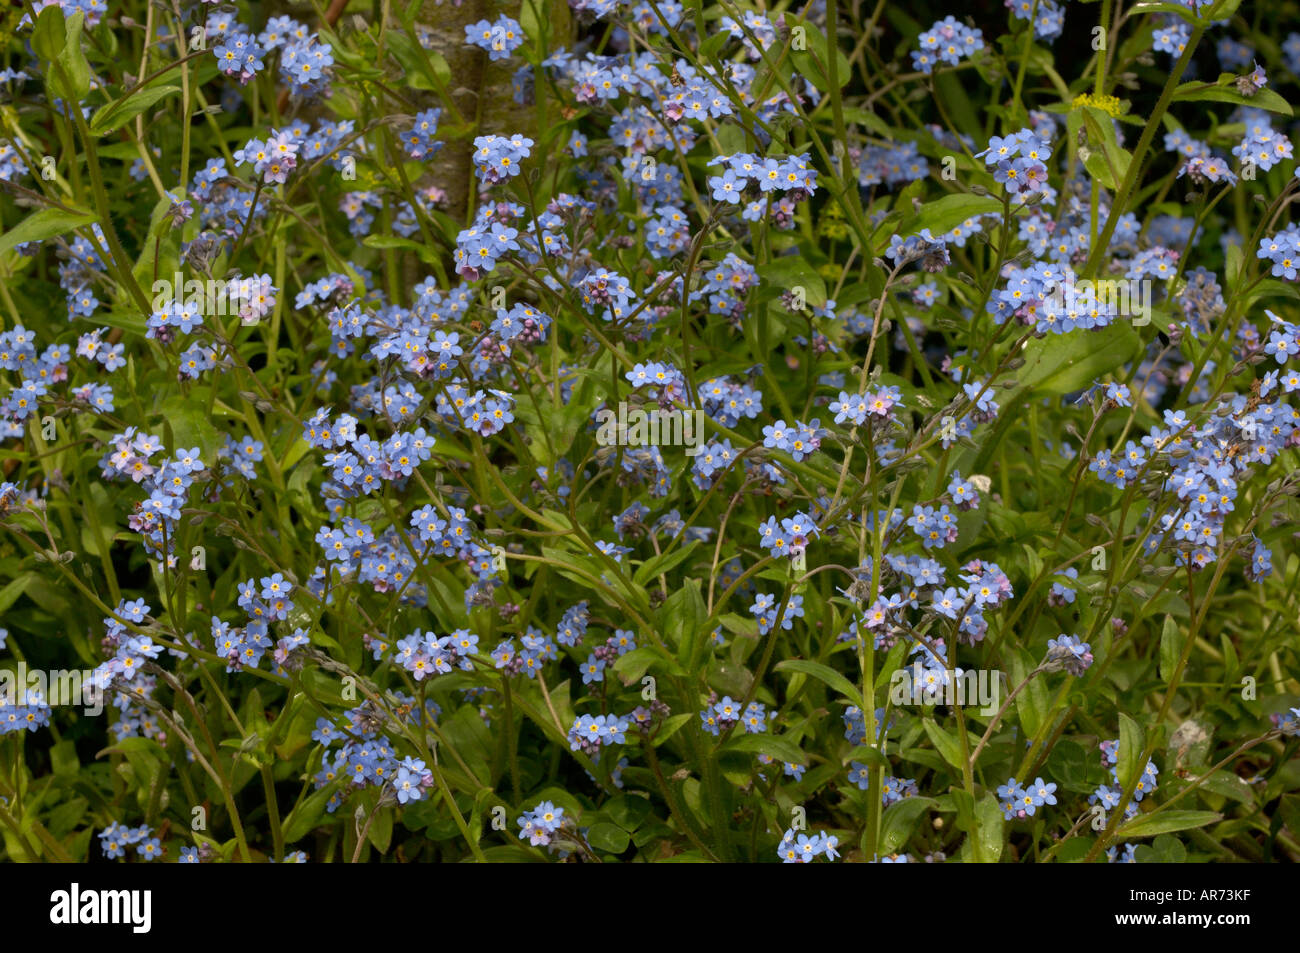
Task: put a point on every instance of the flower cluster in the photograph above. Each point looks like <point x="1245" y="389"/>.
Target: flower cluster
<point x="804" y="848"/>
<point x="498" y="158"/>
<point x="541" y="823"/>
<point x="116" y="839"/>
<point x="1019" y="162"/>
<point x="419" y="141"/>
<point x="500" y="37"/>
<point x="947" y="41"/>
<point x="724" y="714"/>
<point x="1019" y="802"/>
<point x="910" y="382"/>
<point x="590" y="733"/>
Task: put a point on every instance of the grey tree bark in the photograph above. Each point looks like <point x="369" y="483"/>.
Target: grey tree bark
<point x="482" y="88"/>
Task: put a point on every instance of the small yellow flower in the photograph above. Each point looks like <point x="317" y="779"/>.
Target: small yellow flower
<point x="1110" y="105"/>
<point x="831" y="224"/>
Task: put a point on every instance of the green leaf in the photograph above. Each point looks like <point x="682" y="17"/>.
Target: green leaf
<point x="988" y="830"/>
<point x="50" y="32"/>
<point x="1222" y="92"/>
<point x="66" y="816"/>
<point x="158" y="254"/>
<point x="405" y="244"/>
<point x="1074" y="850"/>
<point x="632" y="666"/>
<point x="1032" y="702"/>
<point x="121" y="111"/>
<point x="1062" y="363"/>
<point x="1165" y="822"/>
<point x="1271" y="288"/>
<point x="739" y="625"/>
<point x="782" y="749"/>
<point x="945" y="214"/>
<point x="579" y="567"/>
<point x="1072" y="766"/>
<point x="813" y="62"/>
<point x="1232" y="265"/>
<point x="1288" y="810"/>
<point x="1172" y="640"/>
<point x="44" y="224"/>
<point x="712" y="45"/>
<point x="951" y="86"/>
<point x="682" y="619"/>
<point x="74" y="77"/>
<point x="899" y="822"/>
<point x="306" y="815"/>
<point x="191" y="426"/>
<point x="944" y="743"/>
<point x="1226" y="784"/>
<point x="628" y="811"/>
<point x="792" y="271"/>
<point x="869" y="756"/>
<point x="1223" y="10"/>
<point x="671" y="726"/>
<point x="663" y="563"/>
<point x="10" y="593"/>
<point x="1169" y="849"/>
<point x="422" y="69"/>
<point x="869" y="119"/>
<point x="64" y="760"/>
<point x="530" y="23"/>
<point x="892" y="667"/>
<point x="825" y="674"/>
<point x="381" y="829"/>
<point x="1131" y="741"/>
<point x="122" y="319"/>
<point x="1106" y="160"/>
<point x="297" y="450"/>
<point x="146" y="757"/>
<point x="608" y="837"/>
<point x="510" y="854"/>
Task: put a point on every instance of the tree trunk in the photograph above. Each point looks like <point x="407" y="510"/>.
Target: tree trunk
<point x="481" y="88"/>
